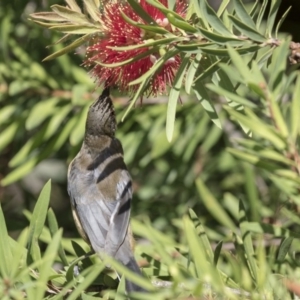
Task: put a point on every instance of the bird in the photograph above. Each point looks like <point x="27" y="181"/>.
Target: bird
<point x="100" y="189"/>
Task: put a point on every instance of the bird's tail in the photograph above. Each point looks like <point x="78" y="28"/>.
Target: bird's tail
<point x="125" y="256"/>
<point x="130" y="286"/>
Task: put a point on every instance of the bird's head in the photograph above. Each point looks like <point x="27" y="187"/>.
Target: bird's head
<point x="101" y="118"/>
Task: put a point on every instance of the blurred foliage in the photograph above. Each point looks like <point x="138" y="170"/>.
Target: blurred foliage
<point x="216" y="210"/>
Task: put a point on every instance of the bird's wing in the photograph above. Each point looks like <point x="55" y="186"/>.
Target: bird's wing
<point x="119" y="220"/>
<point x="101" y="194"/>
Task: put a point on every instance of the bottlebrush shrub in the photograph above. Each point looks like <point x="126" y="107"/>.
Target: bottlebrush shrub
<point x="105" y="52"/>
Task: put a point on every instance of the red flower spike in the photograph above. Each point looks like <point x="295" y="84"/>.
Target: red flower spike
<point x="119" y="33"/>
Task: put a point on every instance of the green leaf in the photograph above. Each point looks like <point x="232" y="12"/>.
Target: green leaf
<point x="70" y="15"/>
<point x="141" y="12"/>
<point x="280" y="22"/>
<point x="217" y="252"/>
<point x="259" y="128"/>
<point x="173" y="97"/>
<point x="274" y="230"/>
<point x="209" y="14"/>
<point x="78" y="131"/>
<point x="261" y="13"/>
<point x="203" y="268"/>
<point x="152" y="28"/>
<point x="213" y="206"/>
<point x="46" y="266"/>
<point x="232" y="96"/>
<point x="180" y="24"/>
<point x="222" y="7"/>
<point x="93" y="9"/>
<point x="221" y="39"/>
<point x="202" y="234"/>
<point x="8" y="134"/>
<point x="246" y="30"/>
<point x="204" y="98"/>
<point x="40" y="112"/>
<point x="129" y="274"/>
<point x="6" y="257"/>
<point x="242" y="14"/>
<point x="53" y="228"/>
<point x="190" y="74"/>
<point x="164" y="9"/>
<point x="38" y="220"/>
<point x="275" y="4"/>
<point x="294" y="111"/>
<point x="247" y="241"/>
<point x="20" y="172"/>
<point x="284" y="248"/>
<point x="78" y="42"/>
<point x="77" y="29"/>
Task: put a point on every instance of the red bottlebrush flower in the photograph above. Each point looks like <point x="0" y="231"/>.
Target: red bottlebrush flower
<point x="119" y="33"/>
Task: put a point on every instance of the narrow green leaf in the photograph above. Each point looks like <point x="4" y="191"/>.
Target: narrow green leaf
<point x="275" y="4"/>
<point x="204" y="269"/>
<point x="246" y="30"/>
<point x="221" y="39"/>
<point x="261" y="13"/>
<point x="148" y="43"/>
<point x="46" y="266"/>
<point x="20" y="172"/>
<point x="173" y="97"/>
<point x="202" y="234"/>
<point x="217" y="252"/>
<point x="53" y="228"/>
<point x="259" y="128"/>
<point x="251" y="191"/>
<point x="93" y="9"/>
<point x="73" y="5"/>
<point x="47" y="16"/>
<point x="8" y="134"/>
<point x="153" y="28"/>
<point x="247" y="242"/>
<point x="40" y="112"/>
<point x="130" y="275"/>
<point x="6" y="257"/>
<point x="70" y="15"/>
<point x="38" y="218"/>
<point x="77" y="29"/>
<point x="156" y="67"/>
<point x="223" y="52"/>
<point x="143" y="86"/>
<point x="200" y="14"/>
<point x="222" y="7"/>
<point x="242" y="14"/>
<point x="215" y="22"/>
<point x="294" y="111"/>
<point x="284" y="248"/>
<point x="78" y="131"/>
<point x="141" y="12"/>
<point x="130" y="60"/>
<point x="278" y="65"/>
<point x="274" y="230"/>
<point x="213" y="206"/>
<point x="180" y="24"/>
<point x="232" y="96"/>
<point x="78" y="42"/>
<point x="204" y="98"/>
<point x="211" y="68"/>
<point x="164" y="9"/>
<point x="254" y="8"/>
<point x="280" y="22"/>
<point x="190" y="74"/>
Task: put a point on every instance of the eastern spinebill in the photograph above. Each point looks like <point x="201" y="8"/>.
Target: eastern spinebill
<point x="100" y="188"/>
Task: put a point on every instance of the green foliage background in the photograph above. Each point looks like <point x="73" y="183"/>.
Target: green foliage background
<point x="212" y="196"/>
